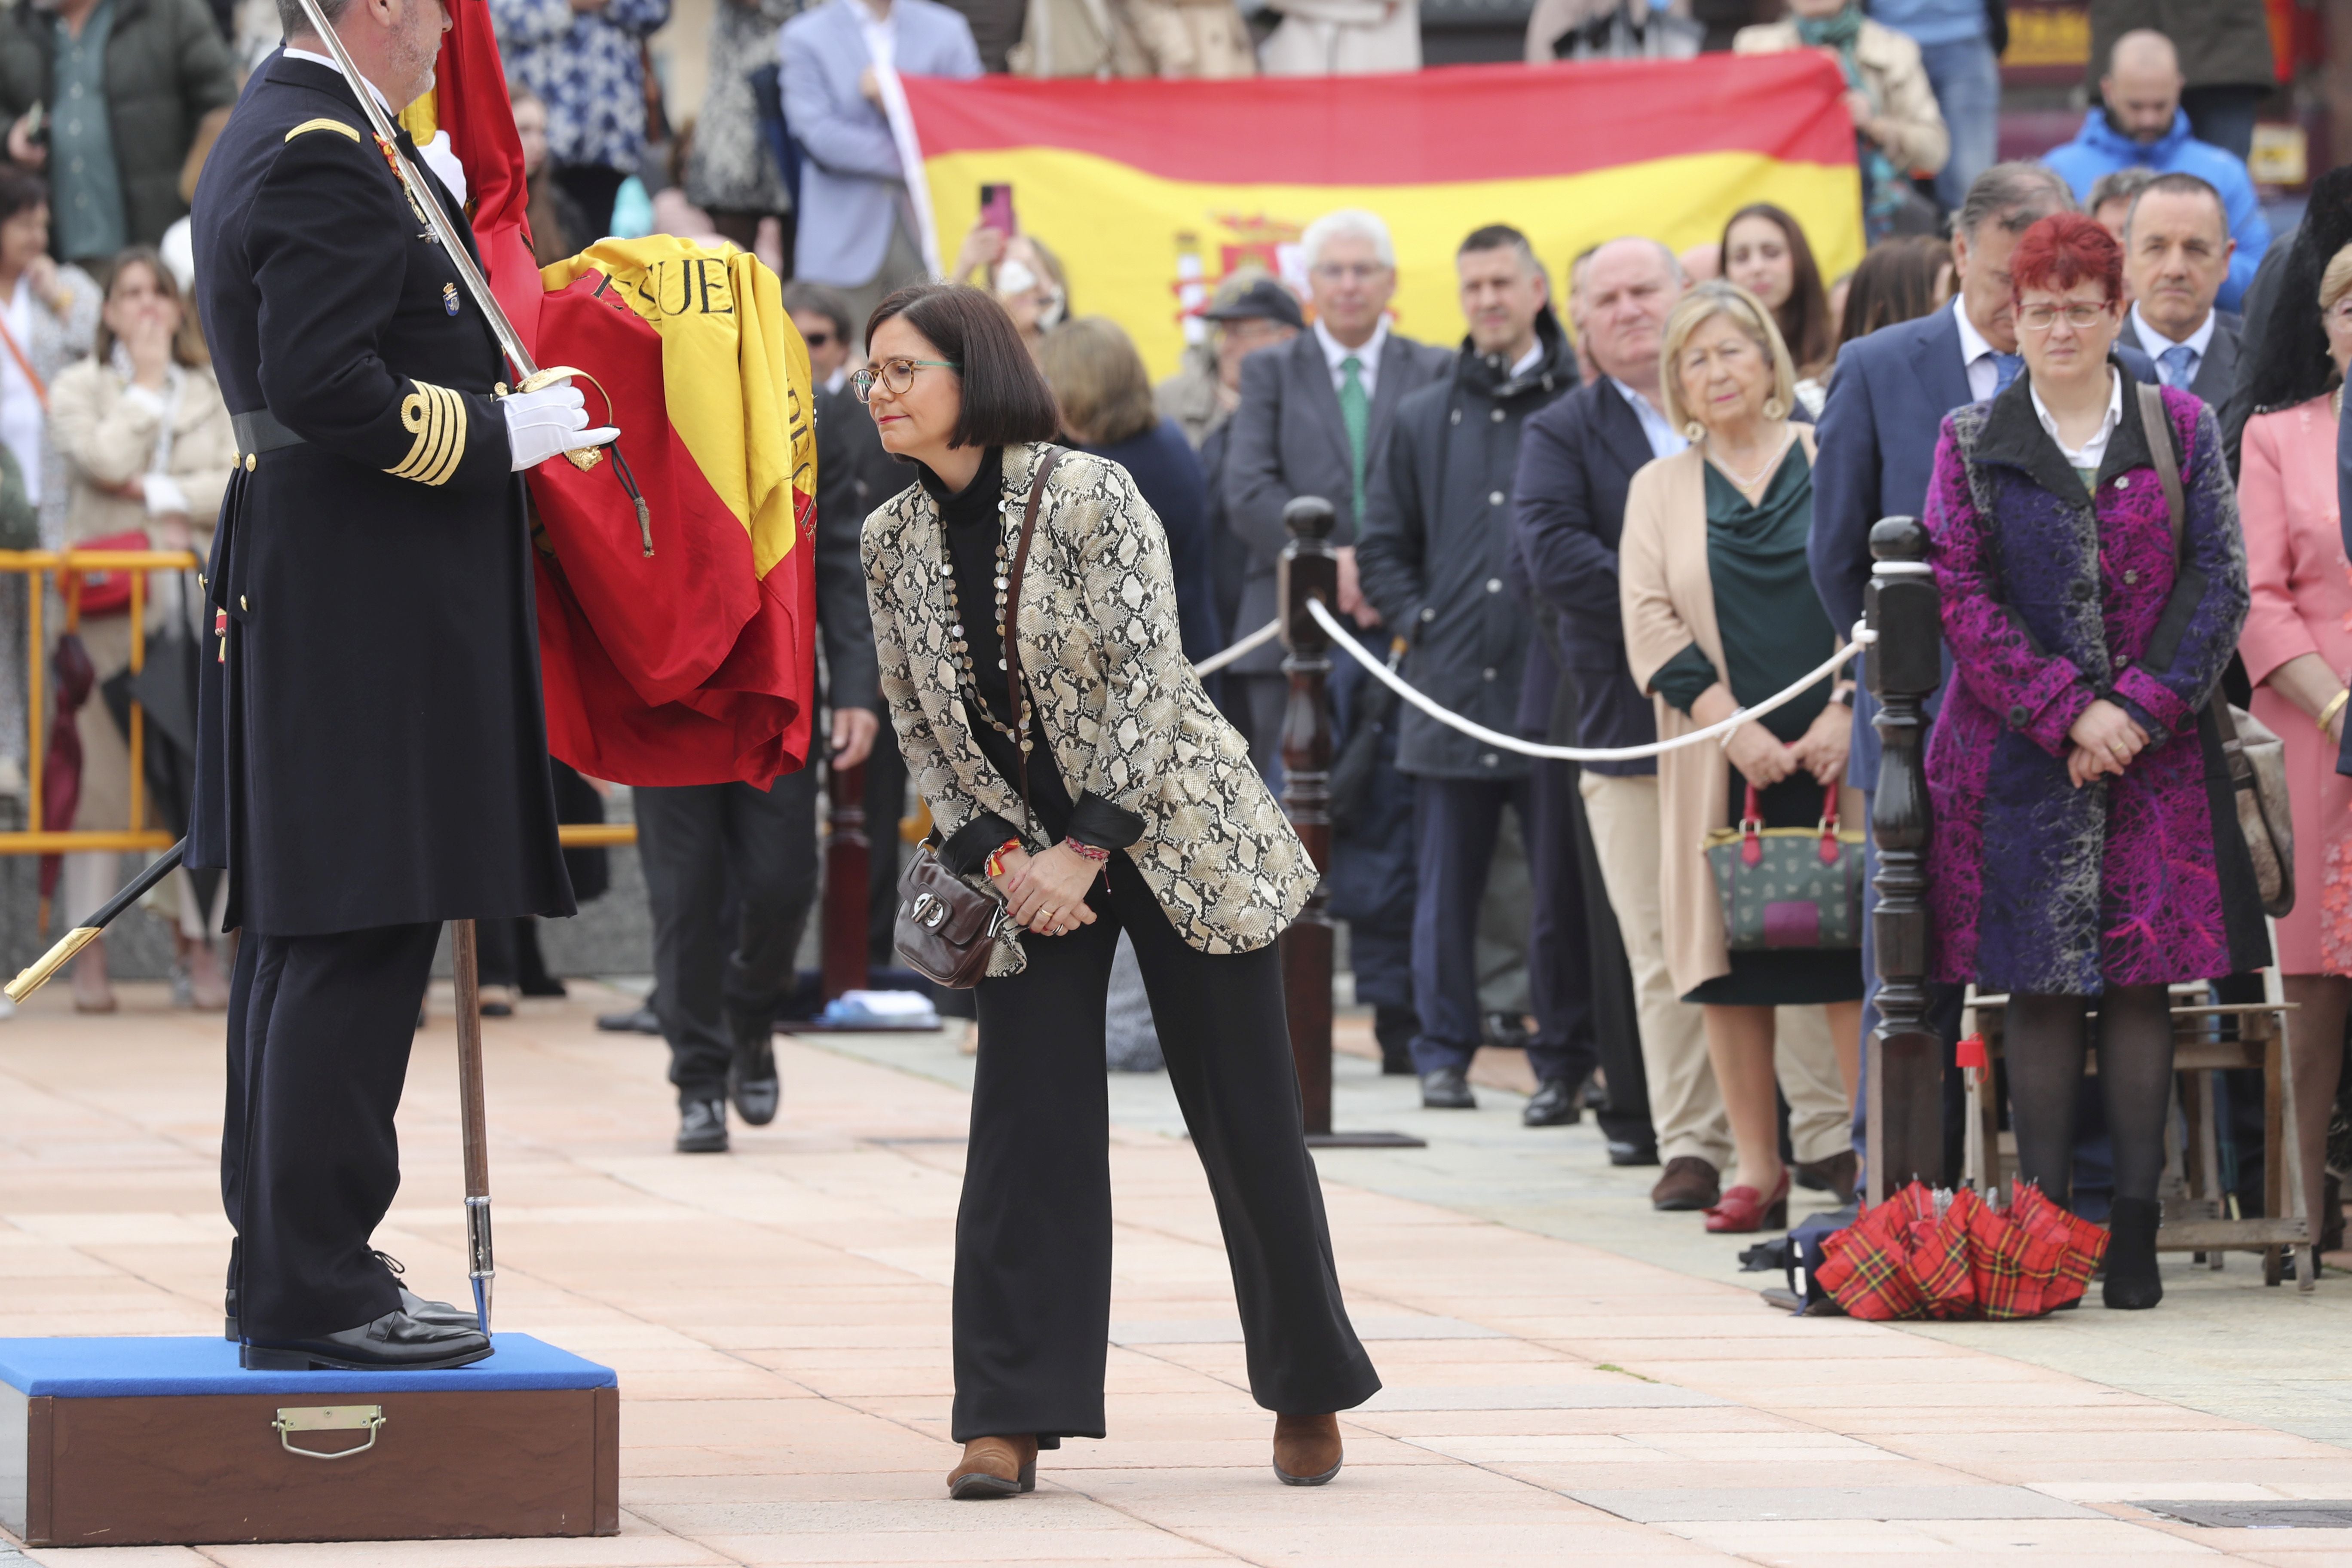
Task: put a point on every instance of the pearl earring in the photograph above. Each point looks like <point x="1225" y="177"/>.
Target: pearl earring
<point x="1694" y="431"/>
<point x="1775" y="409"/>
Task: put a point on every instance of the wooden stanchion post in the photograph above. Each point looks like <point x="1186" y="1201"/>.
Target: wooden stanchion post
<point x="1906" y="1100"/>
<point x="1309" y="569"/>
<point x="847" y="855"/>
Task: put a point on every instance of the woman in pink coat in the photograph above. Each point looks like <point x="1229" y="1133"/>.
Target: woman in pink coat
<point x="2298" y="647"/>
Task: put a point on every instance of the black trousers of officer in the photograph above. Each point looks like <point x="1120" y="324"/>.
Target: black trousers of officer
<point x="691" y="839"/>
<point x="319" y="1035"/>
<point x="1033" y="1234"/>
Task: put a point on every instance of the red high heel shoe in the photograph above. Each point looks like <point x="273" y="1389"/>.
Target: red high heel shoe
<point x="1745" y="1209"/>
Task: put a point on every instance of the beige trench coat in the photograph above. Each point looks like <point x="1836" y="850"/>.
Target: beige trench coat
<point x="1917" y="140"/>
<point x="1668" y="599"/>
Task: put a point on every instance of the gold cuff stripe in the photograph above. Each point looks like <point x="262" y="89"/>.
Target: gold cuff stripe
<point x="323" y="125"/>
<point x="436" y="417"/>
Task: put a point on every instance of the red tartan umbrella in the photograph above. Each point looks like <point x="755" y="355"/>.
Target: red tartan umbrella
<point x="1914" y="1257"/>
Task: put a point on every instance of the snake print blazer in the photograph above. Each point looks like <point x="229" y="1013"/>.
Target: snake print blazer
<point x="1126" y="717"/>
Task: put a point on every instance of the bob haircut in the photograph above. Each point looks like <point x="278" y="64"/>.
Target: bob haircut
<point x="1719" y="298"/>
<point x="1098" y="380"/>
<point x="2064" y="250"/>
<point x="1804" y="321"/>
<point x="1005" y="400"/>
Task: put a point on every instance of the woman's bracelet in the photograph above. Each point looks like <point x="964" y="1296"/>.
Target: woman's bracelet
<point x="995" y="865"/>
<point x="1093" y="852"/>
<point x="2327" y="714"/>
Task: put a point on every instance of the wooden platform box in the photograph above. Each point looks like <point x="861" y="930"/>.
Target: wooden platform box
<point x="143" y="1442"/>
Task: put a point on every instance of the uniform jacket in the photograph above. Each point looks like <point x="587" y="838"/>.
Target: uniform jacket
<point x="1577" y="460"/>
<point x="1434" y="551"/>
<point x="589" y="67"/>
<point x="1667" y="594"/>
<point x="166" y="68"/>
<point x="2221" y="43"/>
<point x="2100" y="149"/>
<point x="1917" y="140"/>
<point x="851" y="183"/>
<point x="1289" y="440"/>
<point x="2051" y="598"/>
<point x="1126" y="720"/>
<point x="371" y="747"/>
<point x="1887" y="402"/>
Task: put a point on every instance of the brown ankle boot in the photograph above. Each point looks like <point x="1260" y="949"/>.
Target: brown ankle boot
<point x="1306" y="1450"/>
<point x="995" y="1467"/>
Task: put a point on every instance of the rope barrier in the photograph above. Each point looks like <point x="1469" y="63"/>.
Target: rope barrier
<point x="1250" y="644"/>
<point x="1341" y="637"/>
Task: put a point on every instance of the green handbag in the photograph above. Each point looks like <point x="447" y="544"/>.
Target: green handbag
<point x="1787" y="888"/>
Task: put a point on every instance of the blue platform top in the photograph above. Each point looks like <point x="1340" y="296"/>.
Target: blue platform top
<point x="124" y="1368"/>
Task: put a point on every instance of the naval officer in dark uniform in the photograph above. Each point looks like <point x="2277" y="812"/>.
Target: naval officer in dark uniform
<point x="372" y="753"/>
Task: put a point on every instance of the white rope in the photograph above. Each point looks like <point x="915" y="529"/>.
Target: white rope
<point x="1250" y="644"/>
<point x="1829" y="667"/>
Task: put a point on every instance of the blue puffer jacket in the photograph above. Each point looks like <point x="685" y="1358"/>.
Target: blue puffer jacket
<point x="2100" y="149"/>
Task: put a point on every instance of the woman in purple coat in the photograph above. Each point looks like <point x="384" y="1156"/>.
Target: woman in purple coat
<point x="2086" y="852"/>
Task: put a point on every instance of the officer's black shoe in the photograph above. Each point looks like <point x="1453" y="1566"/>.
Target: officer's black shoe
<point x="1554" y="1105"/>
<point x="437" y="1312"/>
<point x="752" y="1077"/>
<point x="1626" y="1151"/>
<point x="393" y="1342"/>
<point x="702" y="1127"/>
<point x="1446" y="1089"/>
<point x="636" y="1021"/>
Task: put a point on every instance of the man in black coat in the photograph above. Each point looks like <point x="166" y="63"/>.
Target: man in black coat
<point x="371" y="750"/>
<point x="1432" y="556"/>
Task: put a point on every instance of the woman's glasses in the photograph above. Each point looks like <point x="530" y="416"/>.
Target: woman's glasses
<point x="896" y="375"/>
<point x="2081" y="315"/>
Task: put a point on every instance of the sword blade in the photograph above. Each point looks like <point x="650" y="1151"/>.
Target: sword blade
<point x="478" y="287"/>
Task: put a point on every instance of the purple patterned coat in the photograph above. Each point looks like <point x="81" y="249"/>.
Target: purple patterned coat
<point x="2052" y="597"/>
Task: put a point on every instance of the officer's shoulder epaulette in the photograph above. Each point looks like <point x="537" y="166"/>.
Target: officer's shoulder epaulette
<point x="323" y="123"/>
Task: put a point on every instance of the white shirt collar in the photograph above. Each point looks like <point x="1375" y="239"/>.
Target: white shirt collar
<point x="1367" y="356"/>
<point x="2156" y="343"/>
<point x="2091" y="453"/>
<point x="1973" y="346"/>
<point x="1529" y="360"/>
<point x="1664" y="439"/>
<point x="328" y="60"/>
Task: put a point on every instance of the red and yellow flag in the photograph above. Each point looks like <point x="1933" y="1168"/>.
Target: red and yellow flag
<point x="1150" y="190"/>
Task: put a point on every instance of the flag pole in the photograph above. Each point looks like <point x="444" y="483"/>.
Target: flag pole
<point x="465" y="953"/>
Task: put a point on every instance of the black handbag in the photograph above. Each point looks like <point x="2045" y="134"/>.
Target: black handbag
<point x="946" y="927"/>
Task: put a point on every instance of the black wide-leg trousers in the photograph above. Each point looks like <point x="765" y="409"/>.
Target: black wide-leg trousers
<point x="319" y="1034"/>
<point x="1034" y="1235"/>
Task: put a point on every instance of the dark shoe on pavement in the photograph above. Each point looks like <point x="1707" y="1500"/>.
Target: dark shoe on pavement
<point x="1553" y="1105"/>
<point x="752" y="1080"/>
<point x="1688" y="1183"/>
<point x="1307" y="1450"/>
<point x="393" y="1342"/>
<point x="702" y="1127"/>
<point x="1624" y="1153"/>
<point x="1446" y="1089"/>
<point x="1394" y="1027"/>
<point x="1836" y="1175"/>
<point x="636" y="1021"/>
<point x="993" y="1467"/>
<point x="1506" y="1030"/>
<point x="2133" y="1284"/>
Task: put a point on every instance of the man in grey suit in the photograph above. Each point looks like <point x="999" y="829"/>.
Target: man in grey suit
<point x="857" y="230"/>
<point x="2177" y="251"/>
<point x="1312" y="417"/>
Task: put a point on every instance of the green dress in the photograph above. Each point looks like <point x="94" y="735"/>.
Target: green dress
<point x="1774" y="631"/>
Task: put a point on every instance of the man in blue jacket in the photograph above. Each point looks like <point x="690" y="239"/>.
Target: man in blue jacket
<point x="2144" y="126"/>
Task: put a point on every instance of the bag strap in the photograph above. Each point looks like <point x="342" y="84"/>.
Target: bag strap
<point x="41" y="388"/>
<point x="2157" y="428"/>
<point x="1048" y="455"/>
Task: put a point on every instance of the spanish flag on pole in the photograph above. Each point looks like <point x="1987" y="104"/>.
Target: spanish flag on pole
<point x="1150" y="192"/>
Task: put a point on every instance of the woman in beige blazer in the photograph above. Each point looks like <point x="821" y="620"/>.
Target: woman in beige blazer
<point x="1720" y="612"/>
<point x="147" y="445"/>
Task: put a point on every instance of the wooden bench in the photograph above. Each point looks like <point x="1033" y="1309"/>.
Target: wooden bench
<point x="2195" y="1220"/>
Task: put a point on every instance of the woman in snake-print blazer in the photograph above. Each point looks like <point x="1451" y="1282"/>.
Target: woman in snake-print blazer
<point x="1143" y="814"/>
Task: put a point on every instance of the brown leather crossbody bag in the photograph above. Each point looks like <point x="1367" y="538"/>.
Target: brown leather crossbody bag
<point x="947" y="928"/>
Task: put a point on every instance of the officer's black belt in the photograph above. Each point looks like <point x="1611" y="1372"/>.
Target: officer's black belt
<point x="259" y="431"/>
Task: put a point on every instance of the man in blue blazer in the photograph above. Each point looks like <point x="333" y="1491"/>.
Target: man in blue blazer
<point x="1877" y="446"/>
<point x="857" y="230"/>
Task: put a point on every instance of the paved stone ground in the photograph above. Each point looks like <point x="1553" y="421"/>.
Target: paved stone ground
<point x="1570" y="1378"/>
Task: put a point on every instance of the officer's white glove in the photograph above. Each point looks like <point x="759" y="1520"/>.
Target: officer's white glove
<point x="553" y="419"/>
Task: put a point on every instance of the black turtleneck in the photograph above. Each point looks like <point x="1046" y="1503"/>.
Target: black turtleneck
<point x="974" y="521"/>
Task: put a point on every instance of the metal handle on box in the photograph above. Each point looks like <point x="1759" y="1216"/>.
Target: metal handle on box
<point x="368" y="1418"/>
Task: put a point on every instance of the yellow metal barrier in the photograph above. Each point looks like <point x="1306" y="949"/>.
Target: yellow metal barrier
<point x="35" y="566"/>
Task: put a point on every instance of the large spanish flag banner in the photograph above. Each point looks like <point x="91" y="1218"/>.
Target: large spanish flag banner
<point x="1150" y="191"/>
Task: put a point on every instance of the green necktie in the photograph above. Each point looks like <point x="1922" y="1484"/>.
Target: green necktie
<point x="1356" y="413"/>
